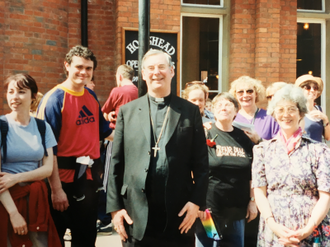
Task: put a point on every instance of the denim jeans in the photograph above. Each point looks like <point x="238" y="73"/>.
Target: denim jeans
<point x="233" y="236"/>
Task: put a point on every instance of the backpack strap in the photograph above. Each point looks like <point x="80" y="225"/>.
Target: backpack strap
<point x="42" y="130"/>
<point x="4" y="132"/>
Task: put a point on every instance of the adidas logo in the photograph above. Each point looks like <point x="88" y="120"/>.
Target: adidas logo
<point x="85" y="116"/>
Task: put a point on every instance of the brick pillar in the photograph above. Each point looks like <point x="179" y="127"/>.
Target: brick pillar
<point x="263" y="40"/>
<point x="242" y="45"/>
<point x="288" y="41"/>
<point x="267" y="60"/>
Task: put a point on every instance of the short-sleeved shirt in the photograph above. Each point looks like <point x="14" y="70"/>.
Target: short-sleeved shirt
<point x="230" y="170"/>
<point x="264" y="125"/>
<point x="77" y="122"/>
<point x="24" y="146"/>
<point x="119" y="96"/>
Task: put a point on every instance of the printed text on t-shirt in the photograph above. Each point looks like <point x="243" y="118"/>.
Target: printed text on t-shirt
<point x="229" y="151"/>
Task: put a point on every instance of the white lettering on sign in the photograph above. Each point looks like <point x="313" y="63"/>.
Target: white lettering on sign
<point x="133" y="63"/>
<point x="154" y="41"/>
<point x="132" y="47"/>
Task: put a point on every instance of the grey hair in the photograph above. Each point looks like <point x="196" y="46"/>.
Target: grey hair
<point x="226" y="96"/>
<point x="290" y="93"/>
<point x="153" y="52"/>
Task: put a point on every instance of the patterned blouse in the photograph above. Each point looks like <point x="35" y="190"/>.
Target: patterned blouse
<point x="292" y="182"/>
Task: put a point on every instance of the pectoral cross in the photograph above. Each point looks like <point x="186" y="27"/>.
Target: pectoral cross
<point x="156" y="148"/>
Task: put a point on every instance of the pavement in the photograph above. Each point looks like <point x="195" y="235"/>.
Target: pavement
<point x="104" y="241"/>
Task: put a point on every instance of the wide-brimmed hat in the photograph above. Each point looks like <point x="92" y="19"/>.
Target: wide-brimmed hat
<point x="304" y="78"/>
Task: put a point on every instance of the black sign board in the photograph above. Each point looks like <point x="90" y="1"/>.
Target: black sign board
<point x="166" y="41"/>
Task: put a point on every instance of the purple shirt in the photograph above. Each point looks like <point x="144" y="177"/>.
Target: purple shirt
<point x="264" y="125"/>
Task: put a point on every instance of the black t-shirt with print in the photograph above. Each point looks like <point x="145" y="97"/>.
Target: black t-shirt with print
<point x="230" y="172"/>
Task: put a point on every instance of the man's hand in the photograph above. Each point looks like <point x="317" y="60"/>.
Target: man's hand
<point x="118" y="222"/>
<point x="7" y="180"/>
<point x="112" y="117"/>
<point x="18" y="223"/>
<point x="59" y="199"/>
<point x="252" y="211"/>
<point x="191" y="211"/>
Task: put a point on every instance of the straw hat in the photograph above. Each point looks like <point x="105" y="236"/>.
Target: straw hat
<point x="304" y="78"/>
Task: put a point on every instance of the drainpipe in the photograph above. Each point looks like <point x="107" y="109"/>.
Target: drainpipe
<point x="84" y="23"/>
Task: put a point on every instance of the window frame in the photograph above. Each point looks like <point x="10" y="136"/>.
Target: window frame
<point x="312" y="10"/>
<point x="203" y="5"/>
<point x="220" y="64"/>
<point x="322" y="22"/>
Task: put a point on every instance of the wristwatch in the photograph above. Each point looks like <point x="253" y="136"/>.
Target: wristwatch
<point x="252" y="199"/>
<point x="325" y="125"/>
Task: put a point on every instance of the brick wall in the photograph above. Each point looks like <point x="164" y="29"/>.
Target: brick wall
<point x="36" y="35"/>
<point x="263" y="40"/>
<point x="34" y="40"/>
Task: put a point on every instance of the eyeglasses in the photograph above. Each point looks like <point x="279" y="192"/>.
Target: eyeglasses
<point x="309" y="87"/>
<point x="269" y="97"/>
<point x="248" y="91"/>
<point x="226" y="105"/>
<point x="290" y="110"/>
<point x="189" y="84"/>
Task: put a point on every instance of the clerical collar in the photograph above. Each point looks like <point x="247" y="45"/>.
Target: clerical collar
<point x="165" y="100"/>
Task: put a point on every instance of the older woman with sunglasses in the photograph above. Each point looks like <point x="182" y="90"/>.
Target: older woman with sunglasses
<point x="291" y="179"/>
<point x="248" y="92"/>
<point x="228" y="196"/>
<point x="315" y="123"/>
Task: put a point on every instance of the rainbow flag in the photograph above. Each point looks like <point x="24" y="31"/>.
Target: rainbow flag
<point x="209" y="226"/>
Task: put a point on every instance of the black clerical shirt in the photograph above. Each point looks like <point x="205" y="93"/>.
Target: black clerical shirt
<point x="158" y="169"/>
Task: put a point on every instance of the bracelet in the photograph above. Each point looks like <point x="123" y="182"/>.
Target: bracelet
<point x="266" y="220"/>
<point x="325" y="125"/>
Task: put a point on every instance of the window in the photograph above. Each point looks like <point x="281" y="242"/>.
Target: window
<point x="311" y="50"/>
<point x="316" y="5"/>
<point x="203" y="2"/>
<point x="201" y="51"/>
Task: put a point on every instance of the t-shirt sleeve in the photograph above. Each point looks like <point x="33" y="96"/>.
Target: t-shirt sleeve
<point x="50" y="110"/>
<point x="258" y="167"/>
<point x="109" y="104"/>
<point x="49" y="137"/>
<point x="322" y="170"/>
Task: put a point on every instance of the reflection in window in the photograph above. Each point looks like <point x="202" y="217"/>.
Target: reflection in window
<point x="309" y="49"/>
<point x="204" y="2"/>
<point x="309" y="4"/>
<point x="200" y="51"/>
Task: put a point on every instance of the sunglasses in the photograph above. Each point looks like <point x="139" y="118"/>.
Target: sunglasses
<point x="189" y="84"/>
<point x="241" y="92"/>
<point x="309" y="87"/>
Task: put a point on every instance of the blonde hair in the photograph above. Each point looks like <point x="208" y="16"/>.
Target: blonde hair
<point x="35" y="102"/>
<point x="188" y="90"/>
<point x="275" y="86"/>
<point x="247" y="80"/>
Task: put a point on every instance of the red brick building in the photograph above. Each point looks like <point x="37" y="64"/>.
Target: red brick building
<point x="218" y="39"/>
